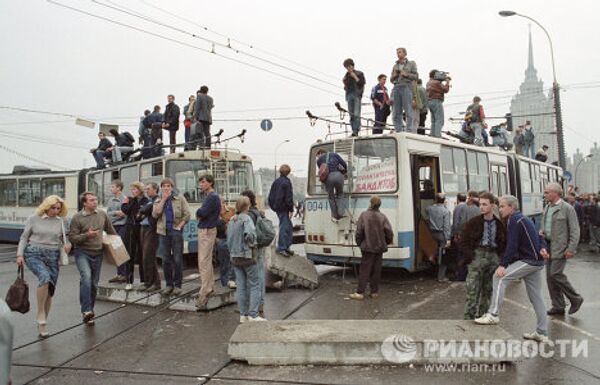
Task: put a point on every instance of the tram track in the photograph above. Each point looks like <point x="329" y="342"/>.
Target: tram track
<point x="159" y="310"/>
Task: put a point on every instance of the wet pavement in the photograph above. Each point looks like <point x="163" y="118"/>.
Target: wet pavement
<point x="141" y="345"/>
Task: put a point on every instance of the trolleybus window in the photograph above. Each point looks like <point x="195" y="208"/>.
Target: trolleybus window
<point x="8" y="192"/>
<point x="185" y="174"/>
<point x="314" y="184"/>
<point x="478" y="171"/>
<point x="454" y="169"/>
<point x="128" y="176"/>
<point x="95" y="184"/>
<point x="374" y="166"/>
<point x="240" y="179"/>
<point x="54" y="186"/>
<point x="525" y="177"/>
<point x="151" y="172"/>
<point x="30" y="193"/>
<point x="107" y="179"/>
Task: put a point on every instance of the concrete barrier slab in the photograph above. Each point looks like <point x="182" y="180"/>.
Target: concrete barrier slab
<point x="297" y="269"/>
<point x="356" y="342"/>
<point x="221" y="297"/>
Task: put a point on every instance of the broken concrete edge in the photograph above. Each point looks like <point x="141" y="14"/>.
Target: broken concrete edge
<point x="369" y="342"/>
<point x="221" y="297"/>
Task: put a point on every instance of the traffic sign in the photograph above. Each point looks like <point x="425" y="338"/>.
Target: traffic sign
<point x="266" y="125"/>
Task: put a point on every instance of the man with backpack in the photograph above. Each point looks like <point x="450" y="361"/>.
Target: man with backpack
<point x="123" y="145"/>
<point x="332" y="172"/>
<point x="476" y="117"/>
<point x="528" y="140"/>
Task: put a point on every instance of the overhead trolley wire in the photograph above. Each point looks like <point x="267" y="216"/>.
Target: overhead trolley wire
<point x="31" y="158"/>
<point x="183" y="43"/>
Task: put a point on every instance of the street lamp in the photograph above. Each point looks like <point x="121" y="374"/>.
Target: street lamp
<point x="277" y="148"/>
<point x="577" y="167"/>
<point x="555" y="91"/>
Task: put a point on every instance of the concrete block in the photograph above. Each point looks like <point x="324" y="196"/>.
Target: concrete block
<point x="357" y="342"/>
<point x="221" y="297"/>
<point x="296" y="269"/>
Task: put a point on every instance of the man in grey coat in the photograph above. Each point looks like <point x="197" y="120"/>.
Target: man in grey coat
<point x="202" y="119"/>
<point x="560" y="228"/>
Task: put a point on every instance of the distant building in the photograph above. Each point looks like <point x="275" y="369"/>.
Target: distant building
<point x="586" y="171"/>
<point x="529" y="103"/>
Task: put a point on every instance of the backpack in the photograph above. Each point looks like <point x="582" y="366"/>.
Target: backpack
<point x="324" y="169"/>
<point x="129" y="137"/>
<point x="528" y="136"/>
<point x="265" y="231"/>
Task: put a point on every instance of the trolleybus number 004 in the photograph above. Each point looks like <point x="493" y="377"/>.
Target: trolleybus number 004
<point x="317" y="205"/>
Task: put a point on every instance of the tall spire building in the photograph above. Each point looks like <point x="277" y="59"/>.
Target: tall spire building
<point x="530" y="102"/>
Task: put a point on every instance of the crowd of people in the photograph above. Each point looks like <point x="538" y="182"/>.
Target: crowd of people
<point x="410" y="102"/>
<point x="150" y="221"/>
<point x="197" y="119"/>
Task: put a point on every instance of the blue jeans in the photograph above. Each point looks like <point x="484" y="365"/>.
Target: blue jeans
<point x="285" y="231"/>
<point x="248" y="289"/>
<point x="437" y="117"/>
<point x="402" y="100"/>
<point x="171" y="250"/>
<point x="335" y="192"/>
<point x="260" y="262"/>
<point x="122" y="270"/>
<point x="354" y="111"/>
<point x="529" y="150"/>
<point x="89" y="272"/>
<point x="99" y="157"/>
<point x="223" y="257"/>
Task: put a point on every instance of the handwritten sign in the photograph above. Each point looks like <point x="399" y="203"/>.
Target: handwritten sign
<point x="377" y="177"/>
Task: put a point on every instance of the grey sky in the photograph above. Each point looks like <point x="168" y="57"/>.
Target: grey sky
<point x="58" y="60"/>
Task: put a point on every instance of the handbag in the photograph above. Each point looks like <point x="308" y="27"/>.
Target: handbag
<point x="17" y="297"/>
<point x="64" y="257"/>
<point x="324" y="170"/>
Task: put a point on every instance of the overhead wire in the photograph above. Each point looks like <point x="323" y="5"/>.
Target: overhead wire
<point x="10" y="150"/>
<point x="130" y="12"/>
<point x="185" y="44"/>
<point x="229" y="39"/>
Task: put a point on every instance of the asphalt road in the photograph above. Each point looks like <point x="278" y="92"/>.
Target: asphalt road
<point x="140" y="345"/>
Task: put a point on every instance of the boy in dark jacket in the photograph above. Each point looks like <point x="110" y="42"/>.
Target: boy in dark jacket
<point x="482" y="242"/>
<point x="281" y="200"/>
<point x="373" y="235"/>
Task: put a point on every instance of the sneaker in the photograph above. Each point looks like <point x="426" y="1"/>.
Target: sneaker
<point x="575" y="305"/>
<point x="243" y="319"/>
<point x="167" y="290"/>
<point x="176" y="291"/>
<point x="357" y="296"/>
<point x="129" y="287"/>
<point x="290" y="252"/>
<point x="283" y="253"/>
<point x="256" y="319"/>
<point x="539" y="337"/>
<point x="555" y="311"/>
<point x="117" y="279"/>
<point x="278" y="285"/>
<point x="88" y="317"/>
<point x="487" y="319"/>
<point x="231" y="284"/>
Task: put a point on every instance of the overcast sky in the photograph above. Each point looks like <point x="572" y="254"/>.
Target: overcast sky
<point x="57" y="60"/>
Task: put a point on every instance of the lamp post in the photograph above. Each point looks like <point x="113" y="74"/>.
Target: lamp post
<point x="555" y="91"/>
<point x="577" y="167"/>
<point x="277" y="148"/>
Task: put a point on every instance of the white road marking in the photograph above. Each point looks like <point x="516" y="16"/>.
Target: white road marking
<point x="556" y="321"/>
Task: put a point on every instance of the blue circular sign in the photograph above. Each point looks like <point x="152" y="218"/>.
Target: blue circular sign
<point x="266" y="125"/>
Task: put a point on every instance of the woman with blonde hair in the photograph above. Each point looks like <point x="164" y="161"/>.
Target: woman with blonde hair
<point x="39" y="248"/>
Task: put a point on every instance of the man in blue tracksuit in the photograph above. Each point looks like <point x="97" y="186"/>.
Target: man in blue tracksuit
<point x="281" y="200"/>
<point x="523" y="259"/>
